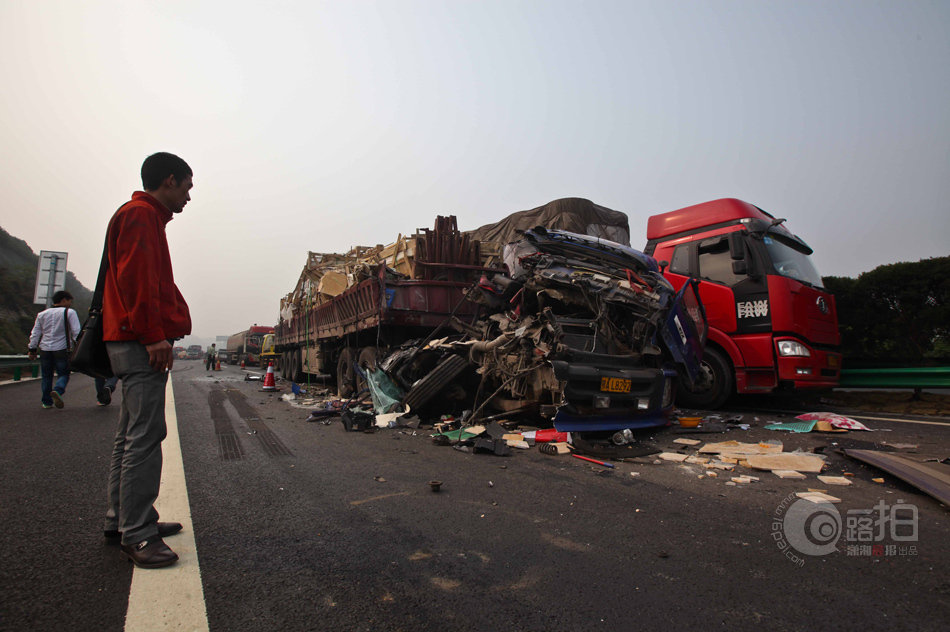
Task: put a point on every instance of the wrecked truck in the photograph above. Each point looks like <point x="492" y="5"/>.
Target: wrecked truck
<point x="580" y="330"/>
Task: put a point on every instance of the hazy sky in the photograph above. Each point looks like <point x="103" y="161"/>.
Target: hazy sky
<point x="323" y="125"/>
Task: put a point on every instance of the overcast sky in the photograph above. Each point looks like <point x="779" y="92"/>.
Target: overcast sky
<point x="322" y="125"/>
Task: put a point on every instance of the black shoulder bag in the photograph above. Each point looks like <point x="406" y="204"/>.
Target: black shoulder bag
<point x="90" y="355"/>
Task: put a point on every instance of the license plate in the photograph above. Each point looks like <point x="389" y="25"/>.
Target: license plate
<point x="614" y="385"/>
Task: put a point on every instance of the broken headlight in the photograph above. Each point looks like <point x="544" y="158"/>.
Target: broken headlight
<point x="792" y="348"/>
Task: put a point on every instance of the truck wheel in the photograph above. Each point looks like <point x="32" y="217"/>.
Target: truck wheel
<point x="345" y="375"/>
<point x="437" y="379"/>
<point x="366" y="361"/>
<point x="717" y="387"/>
<point x="296" y="365"/>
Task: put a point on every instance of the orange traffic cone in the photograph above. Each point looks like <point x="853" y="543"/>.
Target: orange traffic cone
<point x="269" y="384"/>
<point x="217" y="365"/>
<point x="242" y="364"/>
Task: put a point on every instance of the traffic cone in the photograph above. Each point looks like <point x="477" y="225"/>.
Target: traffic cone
<point x="269" y="384"/>
<point x="217" y="365"/>
<point x="242" y="364"/>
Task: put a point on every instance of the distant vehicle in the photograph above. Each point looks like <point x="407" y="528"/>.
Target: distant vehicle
<point x="179" y="352"/>
<point x="245" y="346"/>
<point x="221" y="344"/>
<point x="194" y="352"/>
<point x="771" y="322"/>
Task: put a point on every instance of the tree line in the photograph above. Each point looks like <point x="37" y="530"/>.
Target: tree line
<point x="897" y="314"/>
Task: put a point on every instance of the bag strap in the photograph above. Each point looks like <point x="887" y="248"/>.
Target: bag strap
<point x="66" y="325"/>
<point x="101" y="282"/>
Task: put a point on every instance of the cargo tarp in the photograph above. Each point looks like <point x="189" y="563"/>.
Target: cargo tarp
<point x="575" y="215"/>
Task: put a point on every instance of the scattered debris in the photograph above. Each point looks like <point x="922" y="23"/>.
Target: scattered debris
<point x="435" y="485"/>
<point x="932" y="479"/>
<point x="687" y="441"/>
<point x="798" y="461"/>
<point x="818" y="497"/>
<point x="672" y="456"/>
<point x="792" y="426"/>
<point x="834" y="480"/>
<point x="788" y="474"/>
<point x="578" y="456"/>
<point x="878" y="480"/>
<point x="744" y="480"/>
<point x="838" y="421"/>
<point x="731" y="451"/>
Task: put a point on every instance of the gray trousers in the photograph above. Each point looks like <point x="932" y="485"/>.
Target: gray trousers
<point x="135" y="472"/>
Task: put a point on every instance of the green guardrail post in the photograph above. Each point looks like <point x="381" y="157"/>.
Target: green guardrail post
<point x="36" y="370"/>
<point x="16" y="374"/>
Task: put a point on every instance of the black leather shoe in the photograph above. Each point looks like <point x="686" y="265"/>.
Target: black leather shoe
<point x="152" y="553"/>
<point x="165" y="529"/>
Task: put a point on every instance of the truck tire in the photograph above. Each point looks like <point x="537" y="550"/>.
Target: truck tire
<point x="345" y="374"/>
<point x="437" y="379"/>
<point x="366" y="361"/>
<point x="718" y="388"/>
<point x="296" y="365"/>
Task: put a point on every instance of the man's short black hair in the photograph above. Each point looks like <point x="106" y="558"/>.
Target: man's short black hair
<point x="159" y="166"/>
<point x="61" y="295"/>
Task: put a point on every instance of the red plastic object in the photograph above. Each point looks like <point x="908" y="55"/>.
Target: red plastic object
<point x="546" y="435"/>
<point x="584" y="458"/>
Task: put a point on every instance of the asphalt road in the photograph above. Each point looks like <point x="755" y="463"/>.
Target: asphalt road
<point x="303" y="526"/>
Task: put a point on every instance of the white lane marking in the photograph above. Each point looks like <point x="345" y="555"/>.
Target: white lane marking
<point x="170" y="598"/>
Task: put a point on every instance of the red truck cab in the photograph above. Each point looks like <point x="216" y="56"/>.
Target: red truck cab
<point x="771" y="323"/>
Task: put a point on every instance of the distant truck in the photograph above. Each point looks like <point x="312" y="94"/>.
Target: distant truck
<point x="193" y="352"/>
<point x="221" y="346"/>
<point x="245" y="346"/>
<point x="347" y="312"/>
<point x="771" y="322"/>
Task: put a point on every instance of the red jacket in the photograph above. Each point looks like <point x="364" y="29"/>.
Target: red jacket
<point x="140" y="300"/>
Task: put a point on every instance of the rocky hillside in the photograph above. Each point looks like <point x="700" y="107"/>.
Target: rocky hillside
<point x="17" y="281"/>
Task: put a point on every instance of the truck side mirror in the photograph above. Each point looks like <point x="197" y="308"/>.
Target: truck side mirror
<point x="736" y="247"/>
<point x="663" y="265"/>
<point x="740" y="267"/>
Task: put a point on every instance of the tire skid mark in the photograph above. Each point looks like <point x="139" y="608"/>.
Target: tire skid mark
<point x="272" y="445"/>
<point x="229" y="445"/>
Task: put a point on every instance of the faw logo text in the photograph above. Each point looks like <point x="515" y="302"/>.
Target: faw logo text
<point x="752" y="309"/>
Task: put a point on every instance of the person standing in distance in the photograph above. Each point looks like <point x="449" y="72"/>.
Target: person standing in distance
<point x="212" y="355"/>
<point x="142" y="314"/>
<point x="54" y="334"/>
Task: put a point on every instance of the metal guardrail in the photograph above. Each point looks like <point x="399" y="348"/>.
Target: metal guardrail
<point x="915" y="378"/>
<point x="18" y="363"/>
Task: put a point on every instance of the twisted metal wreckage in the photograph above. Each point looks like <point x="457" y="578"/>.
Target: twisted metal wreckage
<point x="560" y="326"/>
<point x="580" y="329"/>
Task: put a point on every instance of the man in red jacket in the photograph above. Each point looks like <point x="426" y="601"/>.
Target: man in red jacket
<point x="142" y="314"/>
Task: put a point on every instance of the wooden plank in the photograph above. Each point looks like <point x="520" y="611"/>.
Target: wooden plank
<point x="786" y="461"/>
<point x="834" y="480"/>
<point x="788" y="474"/>
<point x="818" y="497"/>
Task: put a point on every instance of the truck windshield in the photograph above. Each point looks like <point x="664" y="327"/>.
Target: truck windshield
<point x="790" y="262"/>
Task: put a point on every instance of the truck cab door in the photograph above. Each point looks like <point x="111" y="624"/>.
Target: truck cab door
<point x="685" y="330"/>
